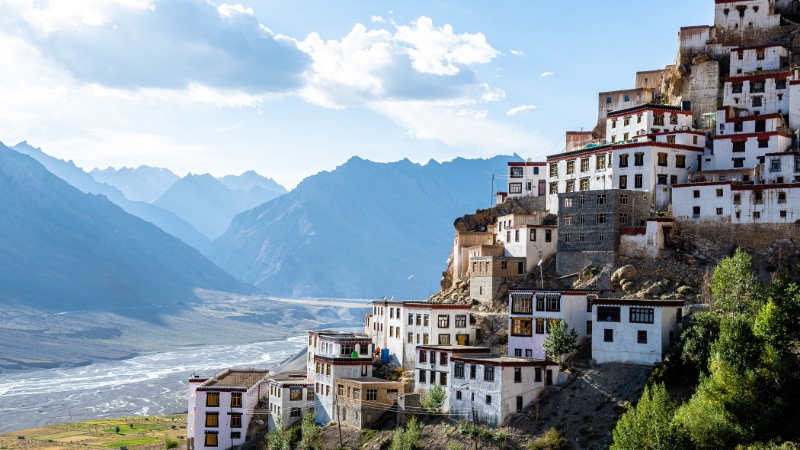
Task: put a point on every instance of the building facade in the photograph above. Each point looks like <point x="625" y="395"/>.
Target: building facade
<point x="526" y="179"/>
<point x="291" y="396"/>
<point x="488" y="274"/>
<point x="360" y="402"/>
<point x="432" y="365"/>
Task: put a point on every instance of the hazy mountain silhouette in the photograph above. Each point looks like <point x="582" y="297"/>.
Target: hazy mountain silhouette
<point x="65" y="250"/>
<point x="143" y="184"/>
<point x="209" y="205"/>
<point x="75" y="176"/>
<point x="358" y="231"/>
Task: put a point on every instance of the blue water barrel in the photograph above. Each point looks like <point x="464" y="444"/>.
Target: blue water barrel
<point x="384" y="356"/>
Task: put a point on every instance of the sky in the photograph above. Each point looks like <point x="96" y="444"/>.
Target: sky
<point x="292" y="88"/>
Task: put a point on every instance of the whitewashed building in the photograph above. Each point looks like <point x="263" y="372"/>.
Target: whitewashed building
<point x="737" y="203"/>
<point x="488" y="389"/>
<point x="634" y="331"/>
<point x="527" y="236"/>
<point x="531" y="313"/>
<point x="291" y="396"/>
<point x="220" y="408"/>
<point x="432" y="365"/>
<point x="527" y="179"/>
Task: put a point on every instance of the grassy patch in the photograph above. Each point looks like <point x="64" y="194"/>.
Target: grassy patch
<point x="131" y="442"/>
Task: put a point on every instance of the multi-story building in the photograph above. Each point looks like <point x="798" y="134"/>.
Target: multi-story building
<point x="432" y="365"/>
<point x="634" y="331"/>
<point x="532" y="312"/>
<point x="291" y="396"/>
<point x="527" y="179"/>
<point x="590" y="224"/>
<point x="531" y="236"/>
<point x="325" y="341"/>
<point x="463" y="241"/>
<point x="488" y="389"/>
<point x="488" y="273"/>
<point x="360" y="402"/>
<point x="220" y="408"/>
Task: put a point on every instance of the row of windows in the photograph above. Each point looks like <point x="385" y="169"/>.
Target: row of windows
<point x="444" y="339"/>
<point x="544" y="302"/>
<point x="601" y="162"/>
<point x="212" y="420"/>
<point x="212" y="399"/>
<point x="295" y="394"/>
<point x="641" y="336"/>
<point x="757" y="87"/>
<point x="636" y="315"/>
<point x="519" y="172"/>
<point x="720" y="211"/>
<point x="212" y="439"/>
<point x="758" y="197"/>
<point x="601" y="235"/>
<point x="443" y="320"/>
<point x="600" y="199"/>
<point x="524" y="327"/>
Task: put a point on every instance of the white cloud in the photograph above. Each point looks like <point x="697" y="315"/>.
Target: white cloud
<point x="547" y="74"/>
<point x="519" y="109"/>
<point x="226" y="10"/>
<point x="377" y="19"/>
<point x="58" y="15"/>
<point x="517" y="52"/>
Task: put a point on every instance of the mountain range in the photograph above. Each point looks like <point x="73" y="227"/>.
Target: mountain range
<point x="359" y="231"/>
<point x="75" y="176"/>
<point x="210" y="204"/>
<point x="143" y="184"/>
<point x="62" y="249"/>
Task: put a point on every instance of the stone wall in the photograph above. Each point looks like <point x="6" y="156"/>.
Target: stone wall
<point x="572" y="262"/>
<point x="407" y="402"/>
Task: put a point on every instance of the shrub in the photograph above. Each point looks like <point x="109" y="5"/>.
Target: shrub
<point x="551" y="440"/>
<point x="649" y="425"/>
<point x="503" y="339"/>
<point x="406" y="438"/>
<point x="171" y="443"/>
<point x="432" y="399"/>
<point x="453" y="445"/>
<point x="311" y="438"/>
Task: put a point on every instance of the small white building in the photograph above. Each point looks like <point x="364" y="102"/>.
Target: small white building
<point x="532" y="312"/>
<point x="324" y="342"/>
<point x="738" y="203"/>
<point x="291" y="396"/>
<point x="220" y="408"/>
<point x="527" y="179"/>
<point x="432" y="365"/>
<point x="488" y="389"/>
<point x="634" y="331"/>
<point x="735" y="18"/>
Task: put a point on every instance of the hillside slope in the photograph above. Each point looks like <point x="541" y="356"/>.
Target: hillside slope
<point x="209" y="205"/>
<point x="143" y="183"/>
<point x="166" y="220"/>
<point x="359" y="231"/>
<point x="64" y="250"/>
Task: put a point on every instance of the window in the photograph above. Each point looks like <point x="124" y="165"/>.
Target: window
<point x="548" y="235"/>
<point x="627" y="97"/>
<point x="516" y="172"/>
<point x="348" y="349"/>
<point x="658" y="119"/>
<point x="680" y="161"/>
<point x="529" y="186"/>
<point x="554" y="188"/>
<point x="295" y="395"/>
<point x="553" y="170"/>
<point x="472" y="371"/>
<point x="641" y="315"/>
<point x="757" y="102"/>
<point x="783" y="213"/>
<point x="212" y="399"/>
<point x="372" y="395"/>
<point x="671" y="139"/>
<point x="423" y="356"/>
<point x="638" y="159"/>
<point x="662" y="179"/>
<point x="608" y="314"/>
<point x="211" y="440"/>
<point x="310" y="394"/>
<point x="613" y="124"/>
<point x="584" y="186"/>
<point x="444" y="320"/>
<point x="236" y="400"/>
<point x="757" y="86"/>
<point x="581" y="235"/>
<point x="584" y="164"/>
<point x="623" y="199"/>
<point x="521" y="305"/>
<point x="571" y="186"/>
<point x="623" y="219"/>
<point x="695" y="211"/>
<point x="600" y="218"/>
<point x="781" y="197"/>
<point x="391" y="334"/>
<point x="582" y="199"/>
<point x="763" y="143"/>
<point x="673" y="119"/>
<point x="411" y="319"/>
<point x="662" y="159"/>
<point x="641" y="337"/>
<point x="443" y="359"/>
<point x="780" y="84"/>
<point x="761" y="126"/>
<point x="554" y="302"/>
<point x="623" y="182"/>
<point x="608" y="99"/>
<point x="568" y="203"/>
<point x="756" y="215"/>
<point x="461" y="321"/>
<point x="623" y="160"/>
<point x="600" y="236"/>
<point x="422" y="374"/>
<point x="458" y="370"/>
<point x="759" y="197"/>
<point x="236" y="435"/>
<point x="458" y="395"/>
<point x="488" y="373"/>
<point x="570" y="167"/>
<point x="488" y="399"/>
<point x="637" y="181"/>
<point x="600" y="162"/>
<point x="521" y="327"/>
<point x="540" y="302"/>
<point x="517" y="352"/>
<point x="425" y="339"/>
<point x="719" y="211"/>
<point x="539" y="326"/>
<point x="443" y="378"/>
<point x="566" y="220"/>
<point x="410" y="338"/>
<point x="737" y="88"/>
<point x="608" y="335"/>
<point x="514" y="188"/>
<point x="517" y="374"/>
<point x="444" y="339"/>
<point x="212" y="419"/>
<point x="589" y="327"/>
<point x="533" y="234"/>
<point x="537" y="375"/>
<point x="601" y="199"/>
<point x="694" y="140"/>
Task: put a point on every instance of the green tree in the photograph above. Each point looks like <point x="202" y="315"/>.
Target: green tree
<point x="560" y="341"/>
<point x="311" y="437"/>
<point x="649" y="425"/>
<point x="733" y="283"/>
<point x="432" y="399"/>
<point x="278" y="438"/>
<point x="406" y="438"/>
<point x="696" y="340"/>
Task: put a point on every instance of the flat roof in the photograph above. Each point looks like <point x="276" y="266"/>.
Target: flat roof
<point x="638" y="302"/>
<point x="461" y="348"/>
<point x="505" y="361"/>
<point x="369" y="380"/>
<point x="647" y="106"/>
<point x="291" y="378"/>
<point x="236" y="378"/>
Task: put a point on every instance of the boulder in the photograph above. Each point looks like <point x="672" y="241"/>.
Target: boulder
<point x="628" y="273"/>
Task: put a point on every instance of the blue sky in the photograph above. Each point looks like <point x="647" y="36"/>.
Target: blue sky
<point x="292" y="88"/>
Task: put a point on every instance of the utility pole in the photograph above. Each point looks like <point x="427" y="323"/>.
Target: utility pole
<point x="338" y="419"/>
<point x="411" y="286"/>
<point x="491" y="199"/>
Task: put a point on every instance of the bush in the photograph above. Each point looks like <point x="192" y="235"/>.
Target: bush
<point x="406" y="438"/>
<point x="432" y="399"/>
<point x="650" y="424"/>
<point x="503" y="339"/>
<point x="171" y="443"/>
<point x="551" y="440"/>
<point x="453" y="445"/>
<point x="311" y="438"/>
